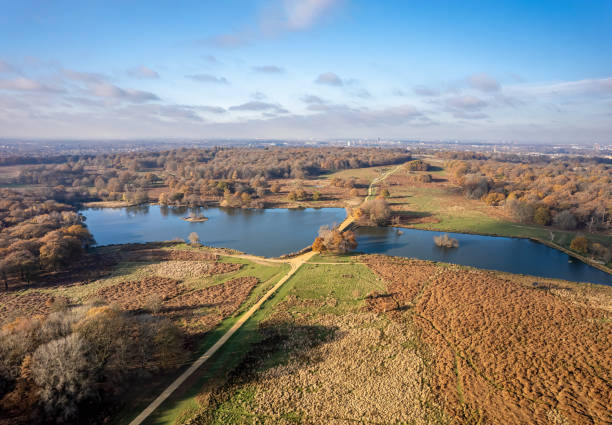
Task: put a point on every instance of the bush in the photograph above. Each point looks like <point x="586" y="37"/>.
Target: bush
<point x="495" y="198"/>
<point x="445" y="241"/>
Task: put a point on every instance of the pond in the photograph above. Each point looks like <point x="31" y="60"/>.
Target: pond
<point x="273" y="232"/>
<point x="486" y="252"/>
<point x="269" y="232"/>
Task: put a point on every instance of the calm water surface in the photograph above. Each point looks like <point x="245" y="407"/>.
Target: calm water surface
<point x="274" y="232"/>
<point x="269" y="233"/>
<point x="486" y="252"/>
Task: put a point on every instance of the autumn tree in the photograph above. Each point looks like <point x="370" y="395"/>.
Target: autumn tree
<point x="541" y="216"/>
<point x="580" y="244"/>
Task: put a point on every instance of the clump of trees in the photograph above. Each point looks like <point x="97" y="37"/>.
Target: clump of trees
<point x="568" y="193"/>
<point x="67" y="365"/>
<point x="444" y="241"/>
<point x="417" y="165"/>
<point x="374" y="212"/>
<point x="332" y="240"/>
<point x="38" y="234"/>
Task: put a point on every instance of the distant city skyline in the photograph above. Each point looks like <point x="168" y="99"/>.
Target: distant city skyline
<point x="519" y="71"/>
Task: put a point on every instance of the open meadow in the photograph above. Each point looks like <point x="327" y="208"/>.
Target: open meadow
<point x="375" y="339"/>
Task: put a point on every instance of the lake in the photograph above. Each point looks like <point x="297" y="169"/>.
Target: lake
<point x="273" y="232"/>
<point x="270" y="232"/>
<point x="513" y="255"/>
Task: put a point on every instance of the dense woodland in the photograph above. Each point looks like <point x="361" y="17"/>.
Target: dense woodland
<point x="199" y="176"/>
<point x="39" y="233"/>
<point x="567" y="193"/>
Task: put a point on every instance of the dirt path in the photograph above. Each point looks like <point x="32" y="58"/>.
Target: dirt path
<point x="349" y="219"/>
<point x="295" y="264"/>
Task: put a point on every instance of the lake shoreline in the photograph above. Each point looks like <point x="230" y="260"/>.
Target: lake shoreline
<point x="553" y="245"/>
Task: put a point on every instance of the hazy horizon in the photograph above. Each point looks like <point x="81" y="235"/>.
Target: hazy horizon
<point x="313" y="69"/>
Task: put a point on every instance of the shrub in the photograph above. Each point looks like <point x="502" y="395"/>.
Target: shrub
<point x="494" y="198"/>
<point x="444" y="241"/>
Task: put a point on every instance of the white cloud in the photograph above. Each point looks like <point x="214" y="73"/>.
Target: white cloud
<point x="425" y="91"/>
<point x="26" y="84"/>
<point x="466" y="102"/>
<point x="6" y="68"/>
<point x="207" y="78"/>
<point x="142" y="72"/>
<point x="484" y="82"/>
<point x="87" y="77"/>
<point x="301" y="14"/>
<point x="107" y="90"/>
<point x="259" y="106"/>
<point x="330" y="79"/>
<point x="269" y="69"/>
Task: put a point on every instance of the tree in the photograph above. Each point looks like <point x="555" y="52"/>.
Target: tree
<point x="580" y="244"/>
<point x="520" y="210"/>
<point x="541" y="216"/>
<point x="333" y="240"/>
<point x="194" y="238"/>
<point x="385" y="193"/>
<point x="417" y="165"/>
<point x="377" y="211"/>
<point x="565" y="220"/>
<point x="22" y="262"/>
<point x="60" y="370"/>
<point x="317" y="246"/>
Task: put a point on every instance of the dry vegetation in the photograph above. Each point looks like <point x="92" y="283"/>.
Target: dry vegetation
<point x="160" y="294"/>
<point x="427" y="343"/>
<point x="507" y="351"/>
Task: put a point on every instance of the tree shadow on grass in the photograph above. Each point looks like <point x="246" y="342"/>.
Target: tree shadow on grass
<point x="238" y="364"/>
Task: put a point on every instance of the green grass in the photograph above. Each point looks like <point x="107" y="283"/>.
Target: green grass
<point x="268" y="275"/>
<point x="334" y="258"/>
<point x="348" y="284"/>
<point x="453" y="213"/>
<point x="224" y="360"/>
<point x="263" y="271"/>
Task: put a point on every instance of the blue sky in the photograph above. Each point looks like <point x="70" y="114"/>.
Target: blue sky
<point x="472" y="70"/>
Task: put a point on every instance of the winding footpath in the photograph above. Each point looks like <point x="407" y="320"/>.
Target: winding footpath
<point x="295" y="263"/>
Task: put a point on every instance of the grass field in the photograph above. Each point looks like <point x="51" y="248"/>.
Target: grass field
<point x="385" y="342"/>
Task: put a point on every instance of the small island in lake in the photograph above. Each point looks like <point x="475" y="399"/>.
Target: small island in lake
<point x="195" y="219"/>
